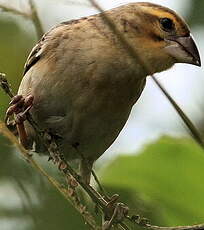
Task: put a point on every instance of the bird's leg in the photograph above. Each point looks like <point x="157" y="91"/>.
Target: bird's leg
<point x="85" y="165"/>
<point x="86" y="169"/>
<point x="19" y="107"/>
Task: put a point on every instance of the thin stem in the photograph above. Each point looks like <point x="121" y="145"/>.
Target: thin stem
<point x="192" y="227"/>
<point x="142" y="222"/>
<point x="32" y="16"/>
<point x="36" y="20"/>
<point x="14" y="11"/>
<point x="193" y="131"/>
<point x="98" y="183"/>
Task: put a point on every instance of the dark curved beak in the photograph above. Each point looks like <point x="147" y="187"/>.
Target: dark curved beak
<point x="188" y="50"/>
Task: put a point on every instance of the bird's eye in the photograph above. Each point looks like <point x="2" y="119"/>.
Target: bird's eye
<point x="167" y="24"/>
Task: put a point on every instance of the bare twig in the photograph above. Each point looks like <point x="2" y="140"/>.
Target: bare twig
<point x="33" y="16"/>
<point x="14" y="11"/>
<point x="132" y="53"/>
<point x="5" y="85"/>
<point x="98" y="183"/>
<point x="35" y="19"/>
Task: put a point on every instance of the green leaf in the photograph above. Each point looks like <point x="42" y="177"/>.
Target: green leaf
<point x="167" y="177"/>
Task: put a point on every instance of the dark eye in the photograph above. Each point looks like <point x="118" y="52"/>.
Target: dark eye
<point x="167" y="24"/>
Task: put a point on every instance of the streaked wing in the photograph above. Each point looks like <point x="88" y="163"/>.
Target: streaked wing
<point x="35" y="54"/>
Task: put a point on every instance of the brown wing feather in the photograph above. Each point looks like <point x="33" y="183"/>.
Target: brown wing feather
<point x="35" y="55"/>
<point x="36" y="52"/>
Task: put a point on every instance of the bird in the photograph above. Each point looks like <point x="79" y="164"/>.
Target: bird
<point x="80" y="81"/>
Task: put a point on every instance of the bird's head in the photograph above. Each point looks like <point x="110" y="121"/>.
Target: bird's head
<point x="162" y="37"/>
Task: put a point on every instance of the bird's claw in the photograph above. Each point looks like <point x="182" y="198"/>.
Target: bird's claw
<point x="115" y="212"/>
<point x="112" y="201"/>
<point x="120" y="211"/>
<point x="19" y="106"/>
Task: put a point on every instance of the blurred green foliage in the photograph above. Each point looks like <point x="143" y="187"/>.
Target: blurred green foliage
<point x="41" y="206"/>
<point x="15" y="45"/>
<point x="196" y="13"/>
<point x="166" y="176"/>
<point x="163" y="182"/>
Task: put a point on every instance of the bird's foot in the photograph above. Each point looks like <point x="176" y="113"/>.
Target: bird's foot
<point x="115" y="212"/>
<point x="20" y="106"/>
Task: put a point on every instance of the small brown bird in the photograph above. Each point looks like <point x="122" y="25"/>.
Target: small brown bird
<point x="81" y="82"/>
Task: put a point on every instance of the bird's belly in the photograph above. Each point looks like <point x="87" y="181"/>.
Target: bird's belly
<point x="91" y="136"/>
<point x="88" y="113"/>
<point x="87" y="129"/>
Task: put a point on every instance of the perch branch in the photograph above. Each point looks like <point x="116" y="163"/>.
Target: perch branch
<point x="67" y="170"/>
<point x="144" y="223"/>
<point x="192" y="227"/>
<point x="63" y="165"/>
<point x="85" y="214"/>
<point x="4" y="130"/>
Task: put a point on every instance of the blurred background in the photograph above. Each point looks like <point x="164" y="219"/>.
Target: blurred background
<point x="154" y="165"/>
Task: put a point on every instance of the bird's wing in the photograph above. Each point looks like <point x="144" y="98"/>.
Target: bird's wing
<point x="40" y="47"/>
<point x="35" y="54"/>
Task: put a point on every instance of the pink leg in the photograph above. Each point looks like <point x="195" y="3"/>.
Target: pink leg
<point x="19" y="107"/>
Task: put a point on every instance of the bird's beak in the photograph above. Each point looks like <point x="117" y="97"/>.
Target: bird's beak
<point x="183" y="49"/>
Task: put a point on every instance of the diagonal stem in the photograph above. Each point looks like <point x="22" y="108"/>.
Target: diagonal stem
<point x="192" y="129"/>
<point x="36" y="20"/>
<point x="133" y="54"/>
